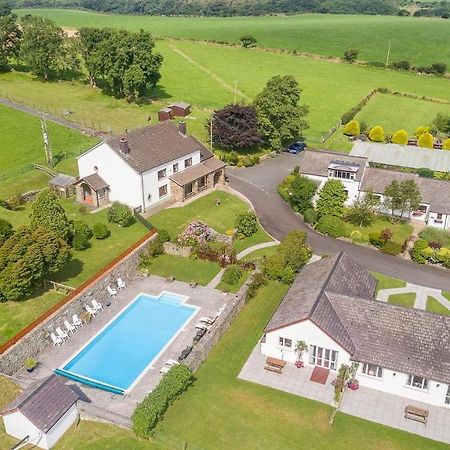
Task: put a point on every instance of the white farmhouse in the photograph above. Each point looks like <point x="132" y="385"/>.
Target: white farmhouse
<point x="147" y="166"/>
<point x="40" y="416"/>
<point x="331" y="308"/>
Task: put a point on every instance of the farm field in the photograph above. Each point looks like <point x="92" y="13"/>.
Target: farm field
<point x="322" y="34"/>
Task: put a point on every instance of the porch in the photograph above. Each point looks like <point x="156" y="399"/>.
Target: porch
<point x="92" y="191"/>
<point x="366" y="403"/>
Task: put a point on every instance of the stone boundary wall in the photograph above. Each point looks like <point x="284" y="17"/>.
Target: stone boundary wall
<point x="30" y="345"/>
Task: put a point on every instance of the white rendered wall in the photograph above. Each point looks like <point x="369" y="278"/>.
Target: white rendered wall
<point x="66" y="421"/>
<point x="18" y="426"/>
<point x="445" y="221"/>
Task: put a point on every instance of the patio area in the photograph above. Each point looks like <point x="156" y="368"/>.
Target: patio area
<point x="207" y="300"/>
<point x="370" y="404"/>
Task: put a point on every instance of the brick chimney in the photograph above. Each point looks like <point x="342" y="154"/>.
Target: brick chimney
<point x="123" y="145"/>
<point x="182" y="128"/>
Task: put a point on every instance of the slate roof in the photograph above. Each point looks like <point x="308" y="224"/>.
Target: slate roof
<point x="45" y="404"/>
<point x="197" y="171"/>
<point x="63" y="180"/>
<point x="183" y="105"/>
<point x="95" y="181"/>
<point x="379" y="179"/>
<point x="337" y="294"/>
<point x="316" y="162"/>
<point x="155" y="145"/>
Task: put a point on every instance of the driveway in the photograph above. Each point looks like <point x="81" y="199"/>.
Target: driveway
<point x="259" y="184"/>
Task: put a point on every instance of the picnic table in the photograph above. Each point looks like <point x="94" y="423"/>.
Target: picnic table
<point x="274" y="365"/>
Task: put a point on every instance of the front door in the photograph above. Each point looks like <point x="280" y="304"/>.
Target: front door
<point x="323" y="357"/>
<point x="87" y="195"/>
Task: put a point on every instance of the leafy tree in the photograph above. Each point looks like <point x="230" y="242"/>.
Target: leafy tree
<point x="401" y="65"/>
<point x="55" y="251"/>
<point x="331" y="225"/>
<point x="41" y="45"/>
<point x="439" y="68"/>
<point x="281" y="118"/>
<point x="9" y="39"/>
<point x="331" y="199"/>
<point x="235" y="127"/>
<point x="401" y="198"/>
<point x="6" y="230"/>
<point x="425" y="140"/>
<point x="302" y="192"/>
<point x="352" y="128"/>
<point x="47" y="212"/>
<point x="248" y="41"/>
<point x="5" y="8"/>
<point x="350" y="55"/>
<point x="400" y="137"/>
<point x="376" y="134"/>
<point x="363" y="210"/>
<point x="80" y="227"/>
<point x="294" y="250"/>
<point x="442" y="122"/>
<point x="246" y="223"/>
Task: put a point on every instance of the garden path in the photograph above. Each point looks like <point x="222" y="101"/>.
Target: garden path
<point x="216" y="280"/>
<point x="252" y="249"/>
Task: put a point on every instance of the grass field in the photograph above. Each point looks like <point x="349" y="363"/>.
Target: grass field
<point x="434" y="306"/>
<point x="406" y="300"/>
<point x="385" y="282"/>
<point x="328" y="35"/>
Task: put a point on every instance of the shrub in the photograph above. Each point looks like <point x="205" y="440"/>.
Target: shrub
<point x="400" y="137"/>
<point x="443" y="255"/>
<point x="401" y="65"/>
<point x="81" y="228"/>
<point x="5" y="204"/>
<point x="350" y="55"/>
<point x="424" y="172"/>
<point x="100" y="230"/>
<point x="6" y="230"/>
<point x="15" y="202"/>
<point x="427" y="252"/>
<point x="352" y="128"/>
<point x="446" y="144"/>
<point x="348" y="116"/>
<point x="232" y="274"/>
<point x="231" y="158"/>
<point x="376" y="134"/>
<point x="163" y="235"/>
<point x="432" y="234"/>
<point x="256" y="159"/>
<point x="425" y="140"/>
<point x="392" y="248"/>
<point x="302" y="190"/>
<point x="120" y="213"/>
<point x="331" y="225"/>
<point x="195" y="233"/>
<point x="356" y="236"/>
<point x="151" y="410"/>
<point x="439" y="68"/>
<point x="416" y="252"/>
<point x="258" y="281"/>
<point x="83" y="210"/>
<point x="363" y="127"/>
<point x="420" y="130"/>
<point x="80" y="242"/>
<point x="331" y="200"/>
<point x="247" y="161"/>
<point x="386" y="235"/>
<point x="310" y="216"/>
<point x="376" y="240"/>
<point x="246" y="223"/>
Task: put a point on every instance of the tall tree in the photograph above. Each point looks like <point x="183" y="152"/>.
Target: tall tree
<point x="303" y="190"/>
<point x="363" y="209"/>
<point x="281" y="117"/>
<point x="402" y="198"/>
<point x="9" y="39"/>
<point x="5" y="8"/>
<point x="331" y="199"/>
<point x="41" y="45"/>
<point x="235" y="127"/>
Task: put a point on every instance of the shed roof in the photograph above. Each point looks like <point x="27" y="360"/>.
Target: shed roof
<point x="63" y="180"/>
<point x="183" y="105"/>
<point x="95" y="181"/>
<point x="199" y="170"/>
<point x="45" y="404"/>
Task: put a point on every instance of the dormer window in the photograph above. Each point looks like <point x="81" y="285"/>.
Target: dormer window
<point x="342" y="170"/>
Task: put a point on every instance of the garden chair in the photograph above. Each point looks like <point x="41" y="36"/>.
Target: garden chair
<point x="62" y="334"/>
<point x="56" y="340"/>
<point x="69" y="327"/>
<point x="120" y="284"/>
<point x="98" y="306"/>
<point x="112" y="292"/>
<point x="91" y="311"/>
<point x="76" y="321"/>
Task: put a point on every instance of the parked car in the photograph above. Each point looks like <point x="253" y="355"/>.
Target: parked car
<point x="296" y="147"/>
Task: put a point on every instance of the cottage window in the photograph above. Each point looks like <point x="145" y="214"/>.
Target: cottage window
<point x="202" y="182"/>
<point x="175" y="168"/>
<point x="372" y="370"/>
<point x="163" y="191"/>
<point x="447" y="396"/>
<point x="187" y="162"/>
<point x="285" y="342"/>
<point x="423" y="209"/>
<point x="188" y="189"/>
<point x="438" y="218"/>
<point x="417" y="382"/>
<point x="161" y="174"/>
<point x="342" y="174"/>
<point x="323" y="357"/>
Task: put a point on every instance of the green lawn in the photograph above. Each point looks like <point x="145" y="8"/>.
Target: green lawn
<point x="446" y="295"/>
<point x="263" y="252"/>
<point x="16" y="315"/>
<point x="183" y="269"/>
<point x="8" y="391"/>
<point x="220" y="217"/>
<point x="233" y="288"/>
<point x="323" y="34"/>
<point x="385" y="282"/>
<point x="406" y="300"/>
<point x="434" y="306"/>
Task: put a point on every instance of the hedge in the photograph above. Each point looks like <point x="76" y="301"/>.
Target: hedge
<point x="331" y="226"/>
<point x="151" y="410"/>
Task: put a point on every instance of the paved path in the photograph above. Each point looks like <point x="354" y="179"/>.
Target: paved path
<point x="422" y="293"/>
<point x="216" y="280"/>
<point x="259" y="184"/>
<point x="252" y="249"/>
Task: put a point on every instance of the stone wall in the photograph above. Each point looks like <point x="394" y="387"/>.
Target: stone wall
<point x="12" y="360"/>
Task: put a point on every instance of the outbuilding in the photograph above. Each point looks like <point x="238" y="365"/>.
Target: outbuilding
<point x="63" y="185"/>
<point x="180" y="109"/>
<point x="42" y="414"/>
<point x="165" y="114"/>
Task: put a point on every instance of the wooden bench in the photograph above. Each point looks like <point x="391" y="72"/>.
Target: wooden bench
<point x="417" y="414"/>
<point x="274" y="365"/>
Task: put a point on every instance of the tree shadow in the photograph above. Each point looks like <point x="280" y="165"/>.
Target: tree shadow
<point x="70" y="270"/>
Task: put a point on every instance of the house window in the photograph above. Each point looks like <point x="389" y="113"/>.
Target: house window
<point x="447" y="396"/>
<point x="102" y="193"/>
<point x="323" y="357"/>
<point x="175" y="168"/>
<point x="187" y="163"/>
<point x="161" y="174"/>
<point x="417" y="382"/>
<point x="285" y="342"/>
<point x="438" y="218"/>
<point x="202" y="182"/>
<point x="163" y="191"/>
<point x="372" y="370"/>
<point x="188" y="189"/>
<point x="423" y="209"/>
<point x="343" y="174"/>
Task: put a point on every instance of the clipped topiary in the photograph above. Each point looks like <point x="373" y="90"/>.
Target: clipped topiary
<point x="352" y="128"/>
<point x="425" y="140"/>
<point x="400" y="137"/>
<point x="331" y="225"/>
<point x="446" y="144"/>
<point x="420" y="130"/>
<point x="377" y="134"/>
<point x="392" y="248"/>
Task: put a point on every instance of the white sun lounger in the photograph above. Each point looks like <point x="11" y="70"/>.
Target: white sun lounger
<point x="56" y="339"/>
<point x="202" y="326"/>
<point x="172" y="362"/>
<point x="76" y="321"/>
<point x="98" y="306"/>
<point x="62" y="334"/>
<point x="120" y="284"/>
<point x="112" y="292"/>
<point x="69" y="327"/>
<point x="90" y="310"/>
<point x="209" y="320"/>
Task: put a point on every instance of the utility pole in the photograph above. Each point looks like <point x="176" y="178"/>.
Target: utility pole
<point x="47" y="146"/>
<point x="388" y="54"/>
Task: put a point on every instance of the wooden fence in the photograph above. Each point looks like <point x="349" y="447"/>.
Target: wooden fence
<point x="74" y="293"/>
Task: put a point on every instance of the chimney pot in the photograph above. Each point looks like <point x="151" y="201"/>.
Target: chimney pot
<point x="182" y="128"/>
<point x="123" y="145"/>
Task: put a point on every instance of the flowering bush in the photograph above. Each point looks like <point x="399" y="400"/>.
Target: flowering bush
<point x="196" y="233"/>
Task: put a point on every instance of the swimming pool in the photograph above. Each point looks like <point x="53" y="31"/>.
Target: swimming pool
<point x="119" y="355"/>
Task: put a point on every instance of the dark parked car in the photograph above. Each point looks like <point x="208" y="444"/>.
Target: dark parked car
<point x="296" y="147"/>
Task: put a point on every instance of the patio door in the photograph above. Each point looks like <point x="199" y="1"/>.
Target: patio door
<point x="323" y="357"/>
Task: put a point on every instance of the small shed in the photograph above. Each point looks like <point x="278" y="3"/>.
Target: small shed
<point x="180" y="109"/>
<point x="63" y="185"/>
<point x="42" y="414"/>
<point x="165" y="114"/>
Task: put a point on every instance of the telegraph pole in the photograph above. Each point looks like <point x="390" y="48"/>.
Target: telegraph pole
<point x="388" y="54"/>
<point x="47" y="146"/>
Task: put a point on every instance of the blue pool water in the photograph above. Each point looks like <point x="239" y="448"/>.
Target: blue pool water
<point x="116" y="357"/>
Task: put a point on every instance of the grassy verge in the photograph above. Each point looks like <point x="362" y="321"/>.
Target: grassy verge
<point x="183" y="269"/>
<point x="385" y="282"/>
<point x="446" y="295"/>
<point x="406" y="300"/>
<point x="225" y="287"/>
<point x="434" y="306"/>
<point x="261" y="253"/>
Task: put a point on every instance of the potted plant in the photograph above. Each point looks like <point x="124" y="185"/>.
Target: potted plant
<point x="300" y="347"/>
<point x="30" y="364"/>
